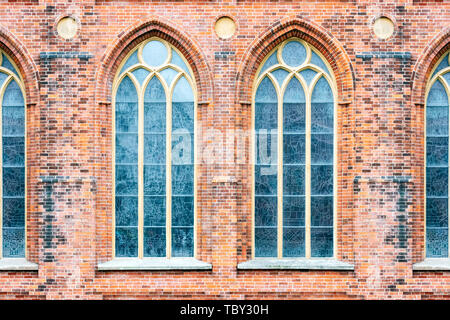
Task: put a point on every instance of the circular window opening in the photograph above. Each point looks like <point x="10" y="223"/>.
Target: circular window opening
<point x="67" y="28"/>
<point x="225" y="27"/>
<point x="383" y="28"/>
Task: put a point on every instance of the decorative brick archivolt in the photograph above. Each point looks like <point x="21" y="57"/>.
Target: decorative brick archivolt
<point x="306" y="30"/>
<point x="27" y="68"/>
<point x="143" y="29"/>
<point x="424" y="65"/>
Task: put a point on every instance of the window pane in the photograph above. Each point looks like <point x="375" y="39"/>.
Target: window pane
<point x="294" y="53"/>
<point x="154" y="242"/>
<point x="308" y="75"/>
<point x="280" y="75"/>
<point x="154" y="211"/>
<point x="322" y="180"/>
<point x="321" y="242"/>
<point x="437" y="151"/>
<point x="265" y="211"/>
<point x="13" y="212"/>
<point x="183" y="211"/>
<point x="437" y="242"/>
<point x="154" y="179"/>
<point x="437" y="182"/>
<point x="154" y="148"/>
<point x="183" y="116"/>
<point x="140" y="74"/>
<point x="182" y="242"/>
<point x="154" y="117"/>
<point x="266" y="92"/>
<point x="126" y="148"/>
<point x="13" y="242"/>
<point x="126" y="211"/>
<point x="265" y="180"/>
<point x="169" y="74"/>
<point x="182" y="180"/>
<point x="437" y="121"/>
<point x="316" y="60"/>
<point x="294" y="211"/>
<point x="294" y="180"/>
<point x="271" y="61"/>
<point x="126" y="180"/>
<point x="322" y="211"/>
<point x="437" y="212"/>
<point x="155" y="53"/>
<point x="126" y="241"/>
<point x="294" y="149"/>
<point x="437" y="95"/>
<point x="132" y="60"/>
<point x="293" y="242"/>
<point x="322" y="149"/>
<point x="265" y="242"/>
<point x="14" y="181"/>
<point x="294" y="108"/>
<point x="183" y="91"/>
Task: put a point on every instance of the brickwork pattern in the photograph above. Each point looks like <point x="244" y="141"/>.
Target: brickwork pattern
<point x="380" y="191"/>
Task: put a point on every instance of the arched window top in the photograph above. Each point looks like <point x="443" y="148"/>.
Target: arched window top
<point x="155" y="57"/>
<point x="295" y="57"/>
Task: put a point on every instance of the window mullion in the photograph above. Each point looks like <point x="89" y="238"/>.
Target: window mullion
<point x="141" y="175"/>
<point x="308" y="174"/>
<point x="169" y="177"/>
<point x="280" y="177"/>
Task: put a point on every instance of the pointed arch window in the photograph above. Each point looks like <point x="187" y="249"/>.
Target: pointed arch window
<point x="13" y="160"/>
<point x="154" y="120"/>
<point x="437" y="150"/>
<point x="294" y="154"/>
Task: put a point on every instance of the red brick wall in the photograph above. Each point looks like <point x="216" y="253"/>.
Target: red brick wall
<point x="380" y="211"/>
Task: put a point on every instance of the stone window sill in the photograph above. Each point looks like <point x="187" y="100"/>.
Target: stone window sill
<point x="433" y="264"/>
<point x="295" y="264"/>
<point x="17" y="264"/>
<point x="129" y="264"/>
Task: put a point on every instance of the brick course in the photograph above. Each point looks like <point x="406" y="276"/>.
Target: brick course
<point x="380" y="121"/>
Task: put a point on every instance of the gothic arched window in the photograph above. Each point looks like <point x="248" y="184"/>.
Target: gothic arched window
<point x="13" y="158"/>
<point x="294" y="145"/>
<point x="154" y="120"/>
<point x="437" y="138"/>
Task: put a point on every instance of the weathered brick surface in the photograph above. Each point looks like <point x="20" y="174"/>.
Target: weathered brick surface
<point x="381" y="87"/>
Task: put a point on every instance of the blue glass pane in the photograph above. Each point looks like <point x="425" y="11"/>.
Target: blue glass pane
<point x="294" y="53"/>
<point x="437" y="212"/>
<point x="3" y="77"/>
<point x="265" y="211"/>
<point x="294" y="149"/>
<point x="266" y="151"/>
<point x="182" y="147"/>
<point x="271" y="61"/>
<point x="321" y="211"/>
<point x="13" y="242"/>
<point x="126" y="180"/>
<point x="182" y="242"/>
<point x="437" y="95"/>
<point x="316" y="60"/>
<point x="294" y="180"/>
<point x="183" y="91"/>
<point x="266" y="92"/>
<point x="155" y="211"/>
<point x="437" y="121"/>
<point x="294" y="211"/>
<point x="13" y="212"/>
<point x="155" y="117"/>
<point x="13" y="151"/>
<point x="132" y="60"/>
<point x="183" y="116"/>
<point x="293" y="242"/>
<point x="446" y="76"/>
<point x="14" y="181"/>
<point x="182" y="211"/>
<point x="154" y="179"/>
<point x="308" y="75"/>
<point x="126" y="91"/>
<point x="437" y="242"/>
<point x="154" y="91"/>
<point x="322" y="115"/>
<point x="169" y="74"/>
<point x="140" y="74"/>
<point x="126" y="211"/>
<point x="8" y="65"/>
<point x="126" y="242"/>
<point x="155" y="148"/>
<point x="182" y="179"/>
<point x="321" y="242"/>
<point x="322" y="92"/>
<point x="321" y="180"/>
<point x="442" y="65"/>
<point x="437" y="182"/>
<point x="280" y="75"/>
<point x="155" y="242"/>
<point x="437" y="151"/>
<point x="266" y="115"/>
<point x="154" y="53"/>
<point x="265" y="181"/>
<point x="265" y="242"/>
<point x="294" y="108"/>
<point x="178" y="61"/>
<point x="126" y="148"/>
<point x="322" y="149"/>
<point x="13" y="122"/>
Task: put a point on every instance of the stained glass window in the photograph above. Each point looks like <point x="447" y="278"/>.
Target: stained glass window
<point x="294" y="154"/>
<point x="154" y="153"/>
<point x="12" y="228"/>
<point x="437" y="148"/>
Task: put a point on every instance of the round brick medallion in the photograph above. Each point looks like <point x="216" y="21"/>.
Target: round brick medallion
<point x="67" y="28"/>
<point x="383" y="28"/>
<point x="225" y="27"/>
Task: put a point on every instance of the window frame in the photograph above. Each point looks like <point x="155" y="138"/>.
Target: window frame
<point x="169" y="91"/>
<point x="431" y="81"/>
<point x="19" y="80"/>
<point x="308" y="90"/>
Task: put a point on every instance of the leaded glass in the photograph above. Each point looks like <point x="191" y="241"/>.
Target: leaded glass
<point x="154" y="53"/>
<point x="131" y="61"/>
<point x="140" y="74"/>
<point x="307" y="130"/>
<point x="437" y="137"/>
<point x="154" y="241"/>
<point x="13" y="163"/>
<point x="182" y="242"/>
